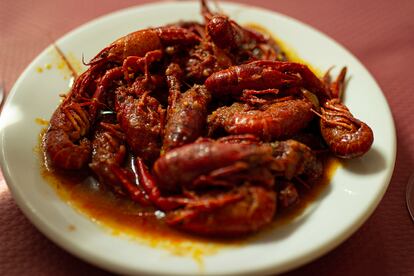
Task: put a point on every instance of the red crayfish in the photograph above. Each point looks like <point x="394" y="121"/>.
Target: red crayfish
<point x="203" y="121"/>
<point x="281" y="117"/>
<point x="346" y="136"/>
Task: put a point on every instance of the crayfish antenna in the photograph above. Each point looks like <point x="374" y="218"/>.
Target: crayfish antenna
<point x="205" y="11"/>
<point x="83" y="60"/>
<point x="66" y="61"/>
<point x="327" y="76"/>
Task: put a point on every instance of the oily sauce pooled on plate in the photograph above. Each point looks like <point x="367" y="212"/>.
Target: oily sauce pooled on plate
<point x="207" y="128"/>
<point x="122" y="215"/>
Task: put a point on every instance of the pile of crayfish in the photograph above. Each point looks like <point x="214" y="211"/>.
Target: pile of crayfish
<point x="208" y="122"/>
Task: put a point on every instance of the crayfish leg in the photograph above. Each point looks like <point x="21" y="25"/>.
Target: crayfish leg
<point x="336" y="87"/>
<point x="147" y="182"/>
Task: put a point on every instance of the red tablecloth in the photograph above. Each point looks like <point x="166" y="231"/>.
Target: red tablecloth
<point x="380" y="33"/>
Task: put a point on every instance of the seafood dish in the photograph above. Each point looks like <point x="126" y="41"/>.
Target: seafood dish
<point x="209" y="123"/>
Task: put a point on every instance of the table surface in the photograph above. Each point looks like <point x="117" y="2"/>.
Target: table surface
<point x="379" y="33"/>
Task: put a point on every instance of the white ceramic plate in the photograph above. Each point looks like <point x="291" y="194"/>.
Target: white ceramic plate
<point x="354" y="193"/>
